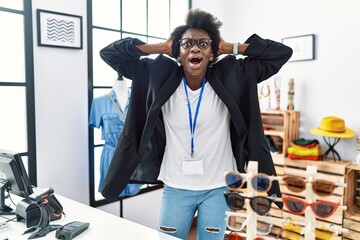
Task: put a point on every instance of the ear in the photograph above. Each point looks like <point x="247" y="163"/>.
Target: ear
<point x="211" y="58"/>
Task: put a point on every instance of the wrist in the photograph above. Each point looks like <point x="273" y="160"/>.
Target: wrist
<point x="235" y="48"/>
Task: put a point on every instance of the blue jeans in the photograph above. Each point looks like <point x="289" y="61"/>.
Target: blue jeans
<point x="179" y="206"/>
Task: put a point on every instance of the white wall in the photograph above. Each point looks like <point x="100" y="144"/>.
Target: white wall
<point x="330" y="84"/>
<point x="61" y="102"/>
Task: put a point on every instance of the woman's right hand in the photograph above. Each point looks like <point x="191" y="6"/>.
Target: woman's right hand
<point x="168" y="46"/>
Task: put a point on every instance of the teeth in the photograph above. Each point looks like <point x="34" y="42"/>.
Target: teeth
<point x="195" y="60"/>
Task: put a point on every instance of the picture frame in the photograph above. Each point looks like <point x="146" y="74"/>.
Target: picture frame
<point x="303" y="47"/>
<point x="55" y="29"/>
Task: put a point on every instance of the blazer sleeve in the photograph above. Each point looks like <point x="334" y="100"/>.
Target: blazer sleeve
<point x="265" y="57"/>
<point x="125" y="58"/>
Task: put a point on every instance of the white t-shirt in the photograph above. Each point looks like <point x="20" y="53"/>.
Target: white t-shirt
<point x="211" y="140"/>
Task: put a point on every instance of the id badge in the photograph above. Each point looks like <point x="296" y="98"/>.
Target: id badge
<point x="192" y="166"/>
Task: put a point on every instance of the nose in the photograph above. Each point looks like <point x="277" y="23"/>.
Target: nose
<point x="195" y="48"/>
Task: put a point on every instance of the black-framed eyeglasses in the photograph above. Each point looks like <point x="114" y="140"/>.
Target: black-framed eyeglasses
<point x="202" y="43"/>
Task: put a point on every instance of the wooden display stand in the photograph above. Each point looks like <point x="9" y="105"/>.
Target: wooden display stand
<point x="331" y="170"/>
<point x="283" y="128"/>
<point x="352" y="216"/>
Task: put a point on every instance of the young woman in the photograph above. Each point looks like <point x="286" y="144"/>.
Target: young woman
<point x="189" y="121"/>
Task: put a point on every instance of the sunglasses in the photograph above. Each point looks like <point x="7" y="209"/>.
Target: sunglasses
<point x="202" y="43"/>
<point x="235" y="236"/>
<point x="260" y="204"/>
<point x="322" y="209"/>
<point x="237" y="222"/>
<point x="260" y="182"/>
<point x="320" y="187"/>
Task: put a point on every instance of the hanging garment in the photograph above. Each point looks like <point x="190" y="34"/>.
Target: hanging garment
<point x="107" y="114"/>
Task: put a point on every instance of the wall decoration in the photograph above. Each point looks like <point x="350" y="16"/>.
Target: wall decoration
<point x="59" y="29"/>
<point x="303" y="47"/>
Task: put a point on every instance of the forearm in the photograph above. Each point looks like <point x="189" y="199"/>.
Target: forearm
<point x="227" y="48"/>
<point x="155" y="48"/>
<point x="123" y="56"/>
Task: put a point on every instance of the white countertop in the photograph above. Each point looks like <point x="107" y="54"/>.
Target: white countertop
<point x="103" y="226"/>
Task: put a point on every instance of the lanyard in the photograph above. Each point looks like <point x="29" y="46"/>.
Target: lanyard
<point x="193" y="124"/>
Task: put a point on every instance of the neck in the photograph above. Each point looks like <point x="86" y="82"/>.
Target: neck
<point x="194" y="83"/>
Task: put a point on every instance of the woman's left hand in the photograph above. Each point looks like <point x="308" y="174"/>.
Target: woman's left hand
<point x="221" y="46"/>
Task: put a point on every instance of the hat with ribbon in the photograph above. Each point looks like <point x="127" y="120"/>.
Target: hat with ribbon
<point x="333" y="127"/>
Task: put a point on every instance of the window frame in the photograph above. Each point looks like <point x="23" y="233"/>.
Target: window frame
<point x="91" y="88"/>
<point x="29" y="89"/>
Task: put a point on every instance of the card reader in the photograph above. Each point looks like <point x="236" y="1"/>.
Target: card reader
<point x="71" y="230"/>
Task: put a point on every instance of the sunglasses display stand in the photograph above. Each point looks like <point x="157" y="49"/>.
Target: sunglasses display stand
<point x="251" y="214"/>
<point x="310" y="197"/>
<point x="310" y="217"/>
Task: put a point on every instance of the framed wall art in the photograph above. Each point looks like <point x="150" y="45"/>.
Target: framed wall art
<point x="303" y="47"/>
<point x="56" y="29"/>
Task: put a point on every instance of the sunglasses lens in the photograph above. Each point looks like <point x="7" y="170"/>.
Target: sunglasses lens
<point x="261" y="183"/>
<point x="234" y="201"/>
<point x="294" y="205"/>
<point x="235" y="236"/>
<point x="323" y="209"/>
<point x="235" y="223"/>
<point x="234" y="180"/>
<point x="323" y="188"/>
<point x="263" y="228"/>
<point x="260" y="205"/>
<point x="294" y="184"/>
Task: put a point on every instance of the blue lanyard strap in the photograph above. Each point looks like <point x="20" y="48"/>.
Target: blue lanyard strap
<point x="193" y="124"/>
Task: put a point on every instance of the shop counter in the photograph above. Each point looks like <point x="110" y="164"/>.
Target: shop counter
<point x="102" y="225"/>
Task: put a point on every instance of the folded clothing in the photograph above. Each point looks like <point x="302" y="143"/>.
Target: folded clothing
<point x="296" y="157"/>
<point x="308" y="143"/>
<point x="306" y="149"/>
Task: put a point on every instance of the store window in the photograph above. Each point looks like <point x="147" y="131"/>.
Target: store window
<point x="17" y="121"/>
<point x="112" y="21"/>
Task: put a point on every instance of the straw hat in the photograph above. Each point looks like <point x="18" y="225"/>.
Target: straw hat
<point x="333" y="127"/>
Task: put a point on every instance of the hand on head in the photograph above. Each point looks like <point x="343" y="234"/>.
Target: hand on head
<point x="221" y="46"/>
<point x="168" y="45"/>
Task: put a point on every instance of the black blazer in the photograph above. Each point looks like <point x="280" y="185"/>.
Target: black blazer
<point x="141" y="145"/>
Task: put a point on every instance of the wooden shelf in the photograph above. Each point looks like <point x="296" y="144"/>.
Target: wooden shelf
<point x="282" y="127"/>
<point x="275" y="133"/>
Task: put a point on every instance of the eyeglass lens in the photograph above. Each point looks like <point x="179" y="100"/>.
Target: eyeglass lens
<point x="202" y="43"/>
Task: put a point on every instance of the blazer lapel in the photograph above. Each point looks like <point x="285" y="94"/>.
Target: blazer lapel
<point x="235" y="113"/>
<point x="160" y="99"/>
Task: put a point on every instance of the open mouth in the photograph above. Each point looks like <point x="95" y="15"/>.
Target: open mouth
<point x="195" y="60"/>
